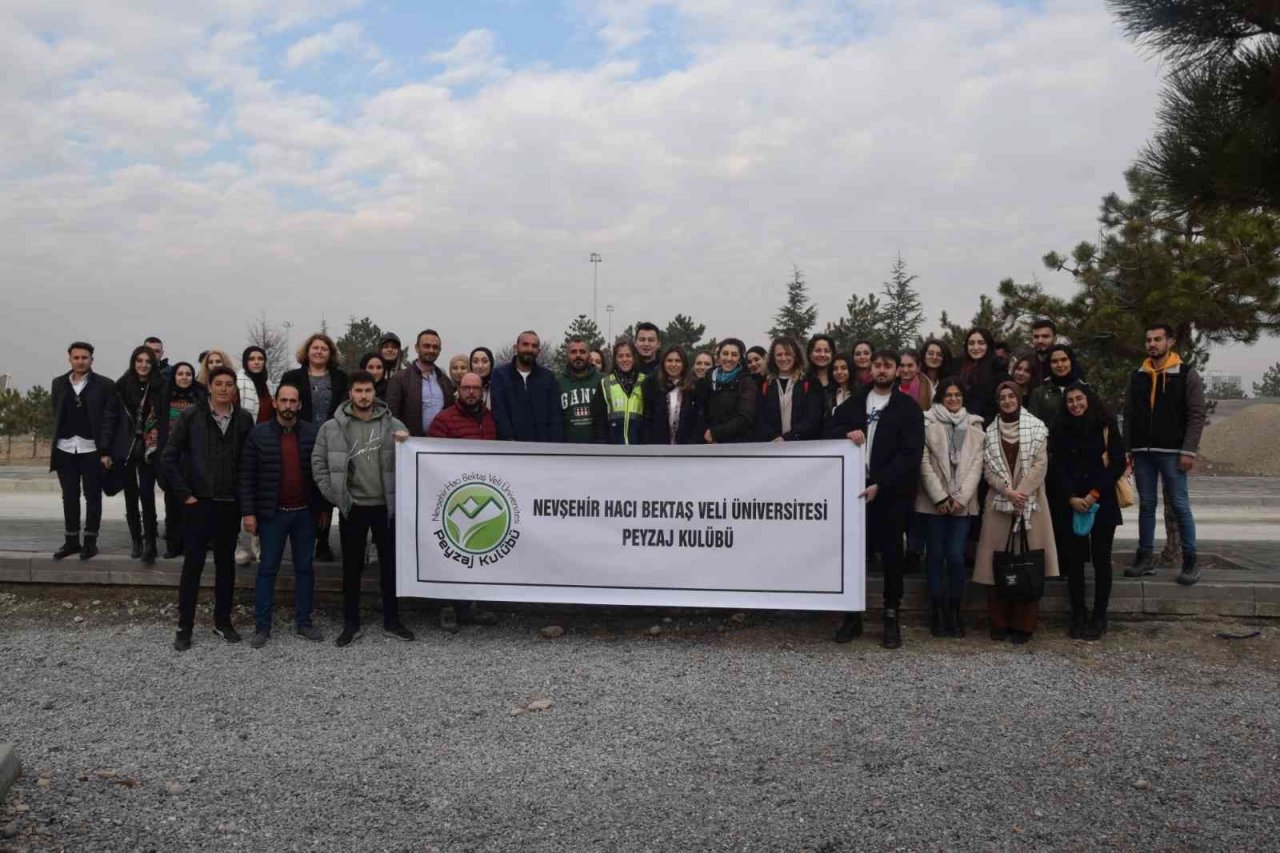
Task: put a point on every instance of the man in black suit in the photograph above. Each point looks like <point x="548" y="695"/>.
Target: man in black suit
<point x="85" y="410"/>
<point x="889" y="426"/>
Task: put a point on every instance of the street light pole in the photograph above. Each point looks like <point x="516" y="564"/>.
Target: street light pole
<point x="595" y="288"/>
<point x="609" y="310"/>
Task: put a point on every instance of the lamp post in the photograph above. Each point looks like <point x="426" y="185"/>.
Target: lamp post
<point x="595" y="288"/>
<point x="609" y="310"/>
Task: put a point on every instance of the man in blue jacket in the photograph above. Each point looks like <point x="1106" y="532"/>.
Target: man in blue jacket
<point x="278" y="502"/>
<point x="525" y="397"/>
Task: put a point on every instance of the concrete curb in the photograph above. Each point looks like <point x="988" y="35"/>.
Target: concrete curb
<point x="1223" y="592"/>
<point x="10" y="768"/>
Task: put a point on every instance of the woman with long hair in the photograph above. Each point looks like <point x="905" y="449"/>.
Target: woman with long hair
<point x="841" y="387"/>
<point x="912" y="381"/>
<point x="1015" y="464"/>
<point x="210" y="359"/>
<point x="862" y="351"/>
<point x="981" y="371"/>
<point x="935" y="360"/>
<point x="618" y="408"/>
<point x="703" y="362"/>
<point x="758" y="365"/>
<point x="1023" y="373"/>
<point x="482" y="366"/>
<point x="790" y="409"/>
<point x="672" y="416"/>
<point x="139" y="390"/>
<point x="376" y="366"/>
<point x="1086" y="455"/>
<point x="181" y="393"/>
<point x="728" y="397"/>
<point x="820" y="352"/>
<point x="947" y="501"/>
<point x="255" y="388"/>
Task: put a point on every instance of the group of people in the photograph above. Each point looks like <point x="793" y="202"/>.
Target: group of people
<point x="961" y="453"/>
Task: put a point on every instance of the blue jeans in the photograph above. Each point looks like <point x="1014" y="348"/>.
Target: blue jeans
<point x="945" y="535"/>
<point x="299" y="527"/>
<point x="1147" y="467"/>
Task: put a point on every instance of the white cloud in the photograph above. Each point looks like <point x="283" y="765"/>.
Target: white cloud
<point x="472" y="59"/>
<point x="345" y="37"/>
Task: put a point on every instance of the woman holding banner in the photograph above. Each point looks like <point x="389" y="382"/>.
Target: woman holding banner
<point x="728" y="397"/>
<point x="672" y="416"/>
<point x="618" y="408"/>
<point x="790" y="409"/>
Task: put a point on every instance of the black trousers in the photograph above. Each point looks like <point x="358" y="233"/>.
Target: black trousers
<point x="80" y="473"/>
<point x="1095" y="548"/>
<point x="355" y="529"/>
<point x="208" y="524"/>
<point x="172" y="521"/>
<point x="886" y="525"/>
<point x="140" y="487"/>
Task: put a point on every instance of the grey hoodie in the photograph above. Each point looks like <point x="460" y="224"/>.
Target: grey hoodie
<point x="354" y="460"/>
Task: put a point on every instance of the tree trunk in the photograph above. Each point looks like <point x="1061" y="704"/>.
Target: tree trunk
<point x="1171" y="556"/>
<point x="35" y="444"/>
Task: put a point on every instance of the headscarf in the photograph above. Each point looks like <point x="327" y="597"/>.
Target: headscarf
<point x="1076" y="374"/>
<point x="192" y="392"/>
<point x="1072" y="435"/>
<point x="485" y="379"/>
<point x="1029" y="433"/>
<point x="259" y="379"/>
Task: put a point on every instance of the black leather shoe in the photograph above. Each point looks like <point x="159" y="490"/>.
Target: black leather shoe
<point x="69" y="547"/>
<point x="892" y="633"/>
<point x="955" y="619"/>
<point x="937" y="619"/>
<point x="149" y="552"/>
<point x="851" y="627"/>
<point x="90" y="549"/>
<point x="135" y="551"/>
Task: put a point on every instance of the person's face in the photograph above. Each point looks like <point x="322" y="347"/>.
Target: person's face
<point x="647" y="344"/>
<point x="624" y="360"/>
<point x="256" y="362"/>
<point x="933" y="357"/>
<point x="883" y="373"/>
<point x="730" y="357"/>
<point x="1060" y="364"/>
<point x="840" y="371"/>
<point x="673" y="364"/>
<point x="470" y="390"/>
<point x="976" y="346"/>
<point x="142" y="365"/>
<point x="701" y="364"/>
<point x="318" y="354"/>
<point x="481" y="365"/>
<point x="457" y="369"/>
<point x="183" y="377"/>
<point x="1158" y="343"/>
<point x="1077" y="402"/>
<point x="80" y="360"/>
<point x="785" y="361"/>
<point x="287" y="404"/>
<point x="391" y="352"/>
<point x="376" y="369"/>
<point x="213" y="360"/>
<point x="908" y="369"/>
<point x="1021" y="372"/>
<point x="428" y="348"/>
<point x="596" y="359"/>
<point x="362" y="396"/>
<point x="755" y="363"/>
<point x="953" y="399"/>
<point x="222" y="390"/>
<point x="1008" y="401"/>
<point x="578" y="356"/>
<point x="527" y="349"/>
<point x="822" y="354"/>
<point x="1042" y="339"/>
<point x="862" y="356"/>
<point x="158" y="348"/>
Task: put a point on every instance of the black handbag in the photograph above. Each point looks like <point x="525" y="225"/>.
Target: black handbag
<point x="1018" y="572"/>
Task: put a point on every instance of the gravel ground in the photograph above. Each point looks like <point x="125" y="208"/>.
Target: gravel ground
<point x="718" y="732"/>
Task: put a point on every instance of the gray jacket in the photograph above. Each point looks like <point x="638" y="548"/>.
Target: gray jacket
<point x="331" y="458"/>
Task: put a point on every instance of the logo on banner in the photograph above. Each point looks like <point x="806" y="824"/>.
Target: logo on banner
<point x="478" y="519"/>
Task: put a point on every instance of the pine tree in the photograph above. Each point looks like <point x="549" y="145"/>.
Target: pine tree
<point x="863" y="321"/>
<point x="902" y="315"/>
<point x="796" y="317"/>
<point x="581" y="327"/>
<point x="683" y="332"/>
<point x="1270" y="384"/>
<point x="362" y="336"/>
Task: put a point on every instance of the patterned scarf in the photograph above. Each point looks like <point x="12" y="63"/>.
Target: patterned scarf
<point x="721" y="377"/>
<point x="1031" y="437"/>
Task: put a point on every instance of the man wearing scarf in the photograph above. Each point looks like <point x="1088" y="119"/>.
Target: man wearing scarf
<point x="1163" y="419"/>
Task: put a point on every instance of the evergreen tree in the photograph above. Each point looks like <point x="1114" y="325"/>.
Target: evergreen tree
<point x="362" y="336"/>
<point x="37" y="414"/>
<point x="796" y="317"/>
<point x="581" y="327"/>
<point x="863" y="320"/>
<point x="902" y="314"/>
<point x="1270" y="384"/>
<point x="994" y="319"/>
<point x="683" y="332"/>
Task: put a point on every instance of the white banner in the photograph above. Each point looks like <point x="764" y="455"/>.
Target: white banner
<point x="775" y="526"/>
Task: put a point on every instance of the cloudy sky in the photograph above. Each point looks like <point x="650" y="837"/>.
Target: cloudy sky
<point x="179" y="168"/>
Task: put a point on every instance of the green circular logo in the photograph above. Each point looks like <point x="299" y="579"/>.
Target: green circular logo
<point x="477" y="518"/>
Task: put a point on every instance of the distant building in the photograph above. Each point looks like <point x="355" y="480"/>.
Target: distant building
<point x="6" y="382"/>
<point x="1223" y="386"/>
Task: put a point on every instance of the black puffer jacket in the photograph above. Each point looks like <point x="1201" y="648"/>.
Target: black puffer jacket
<point x="260" y="468"/>
<point x="729" y="411"/>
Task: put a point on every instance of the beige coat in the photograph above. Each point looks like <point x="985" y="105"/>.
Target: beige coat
<point x="996" y="525"/>
<point x="935" y="468"/>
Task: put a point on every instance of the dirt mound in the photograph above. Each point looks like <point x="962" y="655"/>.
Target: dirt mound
<point x="1244" y="443"/>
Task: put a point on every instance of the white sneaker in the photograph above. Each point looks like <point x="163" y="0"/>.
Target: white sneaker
<point x="243" y="557"/>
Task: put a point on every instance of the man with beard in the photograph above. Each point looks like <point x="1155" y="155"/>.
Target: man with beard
<point x="420" y="391"/>
<point x="889" y="426"/>
<point x="202" y="466"/>
<point x="1044" y="334"/>
<point x="525" y="397"/>
<point x="648" y="342"/>
<point x="278" y="500"/>
<point x="354" y="465"/>
<point x="579" y="384"/>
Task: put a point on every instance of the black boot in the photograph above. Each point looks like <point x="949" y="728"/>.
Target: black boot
<point x="90" y="549"/>
<point x="1143" y="564"/>
<point x="892" y="633"/>
<point x="1097" y="626"/>
<point x="851" y="627"/>
<point x="149" y="551"/>
<point x="955" y="619"/>
<point x="937" y="625"/>
<point x="135" y="552"/>
<point x="1190" y="573"/>
<point x="324" y="553"/>
<point x="1079" y="623"/>
<point x="70" y="545"/>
